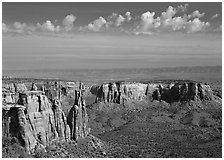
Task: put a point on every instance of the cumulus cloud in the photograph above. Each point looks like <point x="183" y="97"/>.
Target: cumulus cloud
<point x="128" y="16"/>
<point x="68" y="22"/>
<point x="97" y="24"/>
<point x="19" y="27"/>
<point x="168" y="22"/>
<point x="214" y="16"/>
<point x="170" y="12"/>
<point x="115" y="20"/>
<point x="146" y="23"/>
<point x="119" y="20"/>
<point x="196" y="25"/>
<point x="112" y="21"/>
<point x="48" y="26"/>
<point x="197" y="14"/>
<point x="147" y="20"/>
<point x="178" y="23"/>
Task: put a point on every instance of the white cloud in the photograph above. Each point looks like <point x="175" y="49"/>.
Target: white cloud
<point x="166" y="17"/>
<point x="197" y="14"/>
<point x="168" y="22"/>
<point x="48" y="26"/>
<point x="157" y="22"/>
<point x="120" y="19"/>
<point x="178" y="23"/>
<point x="170" y="12"/>
<point x="68" y="22"/>
<point x="147" y="21"/>
<point x="128" y="16"/>
<point x="19" y="27"/>
<point x="196" y="25"/>
<point x="97" y="24"/>
<point x="115" y="20"/>
<point x="214" y="16"/>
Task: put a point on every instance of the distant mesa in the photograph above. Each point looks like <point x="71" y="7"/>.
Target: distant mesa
<point x="120" y="92"/>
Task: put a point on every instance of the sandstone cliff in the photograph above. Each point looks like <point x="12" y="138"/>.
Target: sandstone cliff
<point x="34" y="122"/>
<point x="119" y="92"/>
<point x="36" y="118"/>
<point x="78" y="118"/>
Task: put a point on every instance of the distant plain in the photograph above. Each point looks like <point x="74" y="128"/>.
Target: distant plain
<point x="206" y="74"/>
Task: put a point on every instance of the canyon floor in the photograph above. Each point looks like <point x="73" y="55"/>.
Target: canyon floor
<point x="142" y="129"/>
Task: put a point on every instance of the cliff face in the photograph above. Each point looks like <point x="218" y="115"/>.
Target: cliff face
<point x="173" y="92"/>
<point x="36" y="117"/>
<point x="179" y="92"/>
<point x="119" y="92"/>
<point x="78" y="118"/>
<point x="34" y="121"/>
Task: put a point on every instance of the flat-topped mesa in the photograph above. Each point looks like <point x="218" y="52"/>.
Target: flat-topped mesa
<point x="118" y="92"/>
<point x="179" y="92"/>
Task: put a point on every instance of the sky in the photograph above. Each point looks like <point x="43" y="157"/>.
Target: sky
<point x="110" y="35"/>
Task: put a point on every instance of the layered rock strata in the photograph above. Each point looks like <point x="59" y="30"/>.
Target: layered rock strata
<point x="36" y="118"/>
<point x="119" y="92"/>
<point x="34" y="121"/>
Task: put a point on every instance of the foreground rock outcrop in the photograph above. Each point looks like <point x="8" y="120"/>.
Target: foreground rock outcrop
<point x="78" y="118"/>
<point x="35" y="121"/>
<point x="36" y="118"/>
<point x="119" y="92"/>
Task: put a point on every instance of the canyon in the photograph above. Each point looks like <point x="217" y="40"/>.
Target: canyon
<point x="41" y="113"/>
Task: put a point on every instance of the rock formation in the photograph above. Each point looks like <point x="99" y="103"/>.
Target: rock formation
<point x="36" y="118"/>
<point x="172" y="92"/>
<point x="78" y="118"/>
<point x="119" y="92"/>
<point x="34" y="122"/>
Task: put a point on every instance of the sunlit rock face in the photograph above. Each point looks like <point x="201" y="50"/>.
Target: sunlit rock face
<point x="118" y="92"/>
<point x="35" y="115"/>
<point x="35" y="121"/>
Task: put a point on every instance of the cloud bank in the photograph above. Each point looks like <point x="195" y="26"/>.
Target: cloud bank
<point x="146" y="23"/>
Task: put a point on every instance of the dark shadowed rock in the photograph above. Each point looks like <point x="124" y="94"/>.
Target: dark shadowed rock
<point x="78" y="118"/>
